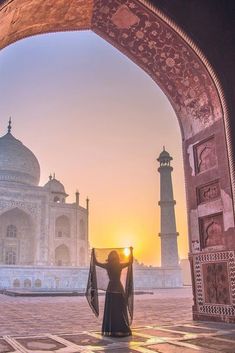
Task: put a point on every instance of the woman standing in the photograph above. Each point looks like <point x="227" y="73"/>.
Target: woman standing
<point x="118" y="301"/>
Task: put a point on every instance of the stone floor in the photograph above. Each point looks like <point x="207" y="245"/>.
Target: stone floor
<point x="162" y="324"/>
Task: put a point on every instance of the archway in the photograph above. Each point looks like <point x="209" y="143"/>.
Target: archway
<point x="160" y="48"/>
<point x="17" y="236"/>
<point x="62" y="256"/>
<point x="62" y="227"/>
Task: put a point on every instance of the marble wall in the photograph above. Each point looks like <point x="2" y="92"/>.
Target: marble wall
<point x="67" y="278"/>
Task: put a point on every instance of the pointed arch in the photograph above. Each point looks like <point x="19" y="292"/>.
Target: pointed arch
<point x="157" y="45"/>
<point x="62" y="227"/>
<point x="62" y="255"/>
<point x="17" y="232"/>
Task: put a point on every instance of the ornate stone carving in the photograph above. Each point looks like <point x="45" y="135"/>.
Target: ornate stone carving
<point x="228" y="259"/>
<point x="19" y="19"/>
<point x="216" y="283"/>
<point x="124" y="18"/>
<point x="211" y="230"/>
<point x="28" y="207"/>
<point x="150" y="42"/>
<point x="195" y="245"/>
<point x="209" y="192"/>
<point x="205" y="155"/>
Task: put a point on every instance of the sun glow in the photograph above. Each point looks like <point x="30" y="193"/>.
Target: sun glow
<point x="127" y="252"/>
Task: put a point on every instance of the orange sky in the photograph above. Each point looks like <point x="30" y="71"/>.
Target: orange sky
<point x="99" y="122"/>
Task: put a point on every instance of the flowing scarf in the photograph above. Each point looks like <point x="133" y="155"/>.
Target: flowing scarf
<point x="98" y="277"/>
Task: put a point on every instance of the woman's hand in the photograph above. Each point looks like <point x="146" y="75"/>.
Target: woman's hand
<point x="93" y="255"/>
<point x="131" y="254"/>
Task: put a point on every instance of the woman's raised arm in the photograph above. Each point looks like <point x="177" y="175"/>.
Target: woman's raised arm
<point x="97" y="263"/>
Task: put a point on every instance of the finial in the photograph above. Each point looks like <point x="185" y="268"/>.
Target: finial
<point x="163" y="148"/>
<point x="50" y="177"/>
<point x="9" y="126"/>
<point x="77" y="197"/>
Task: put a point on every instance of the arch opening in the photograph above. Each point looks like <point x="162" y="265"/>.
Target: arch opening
<point x="17" y="234"/>
<point x="179" y="68"/>
<point x="62" y="256"/>
<point x="62" y="227"/>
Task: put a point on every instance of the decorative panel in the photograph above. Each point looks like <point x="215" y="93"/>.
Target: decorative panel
<point x="211" y="230"/>
<point x="207" y="300"/>
<point x="216" y="283"/>
<point x="123" y="18"/>
<point x="205" y="155"/>
<point x="209" y="192"/>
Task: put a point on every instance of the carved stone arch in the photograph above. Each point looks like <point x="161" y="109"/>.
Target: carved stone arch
<point x="62" y="227"/>
<point x="20" y="209"/>
<point x="16" y="283"/>
<point x="62" y="255"/>
<point x="18" y="246"/>
<point x="172" y="60"/>
<point x="28" y="208"/>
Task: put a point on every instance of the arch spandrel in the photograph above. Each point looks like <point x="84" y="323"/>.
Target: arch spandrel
<point x="24" y="18"/>
<point x="136" y="31"/>
<point x="165" y="56"/>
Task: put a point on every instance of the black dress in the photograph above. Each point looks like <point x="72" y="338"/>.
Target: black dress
<point x="115" y="320"/>
<point x="118" y="310"/>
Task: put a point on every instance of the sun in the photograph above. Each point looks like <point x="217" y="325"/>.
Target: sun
<point x="127" y="252"/>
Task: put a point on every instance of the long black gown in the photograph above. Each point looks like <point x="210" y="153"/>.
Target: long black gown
<point x="115" y="320"/>
<point x="118" y="310"/>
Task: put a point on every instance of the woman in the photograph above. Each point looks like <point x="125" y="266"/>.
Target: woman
<point x="118" y="302"/>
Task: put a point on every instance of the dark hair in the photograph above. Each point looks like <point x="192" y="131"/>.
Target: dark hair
<point x="113" y="257"/>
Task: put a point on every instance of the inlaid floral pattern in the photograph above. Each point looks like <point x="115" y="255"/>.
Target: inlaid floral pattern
<point x="160" y="51"/>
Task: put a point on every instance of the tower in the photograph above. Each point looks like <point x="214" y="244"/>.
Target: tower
<point x="168" y="234"/>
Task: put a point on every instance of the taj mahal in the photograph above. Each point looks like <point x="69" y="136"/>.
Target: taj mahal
<point x="44" y="241"/>
<point x="37" y="226"/>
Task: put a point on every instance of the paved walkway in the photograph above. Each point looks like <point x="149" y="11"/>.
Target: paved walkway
<point x="65" y="325"/>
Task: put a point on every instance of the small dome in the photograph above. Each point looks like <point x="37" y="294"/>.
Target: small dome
<point x="17" y="163"/>
<point x="55" y="186"/>
<point x="164" y="155"/>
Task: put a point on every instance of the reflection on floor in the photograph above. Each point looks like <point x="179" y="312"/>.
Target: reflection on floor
<point x="195" y="337"/>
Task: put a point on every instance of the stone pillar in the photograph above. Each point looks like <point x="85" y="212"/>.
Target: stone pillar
<point x="168" y="234"/>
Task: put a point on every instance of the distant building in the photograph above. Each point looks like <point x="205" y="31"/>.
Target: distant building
<point x="37" y="226"/>
<point x="168" y="234"/>
<point x="169" y="275"/>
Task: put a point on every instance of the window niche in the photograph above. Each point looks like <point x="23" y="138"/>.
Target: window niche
<point x="62" y="227"/>
<point x="11" y="231"/>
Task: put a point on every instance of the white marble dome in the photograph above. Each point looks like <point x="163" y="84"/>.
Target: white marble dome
<point x="17" y="163"/>
<point x="55" y="186"/>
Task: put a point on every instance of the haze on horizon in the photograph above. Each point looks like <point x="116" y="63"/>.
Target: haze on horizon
<point x="99" y="122"/>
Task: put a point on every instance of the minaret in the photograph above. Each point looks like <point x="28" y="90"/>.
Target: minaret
<point x="168" y="235"/>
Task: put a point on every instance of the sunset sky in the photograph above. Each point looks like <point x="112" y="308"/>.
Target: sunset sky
<point x="99" y="122"/>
